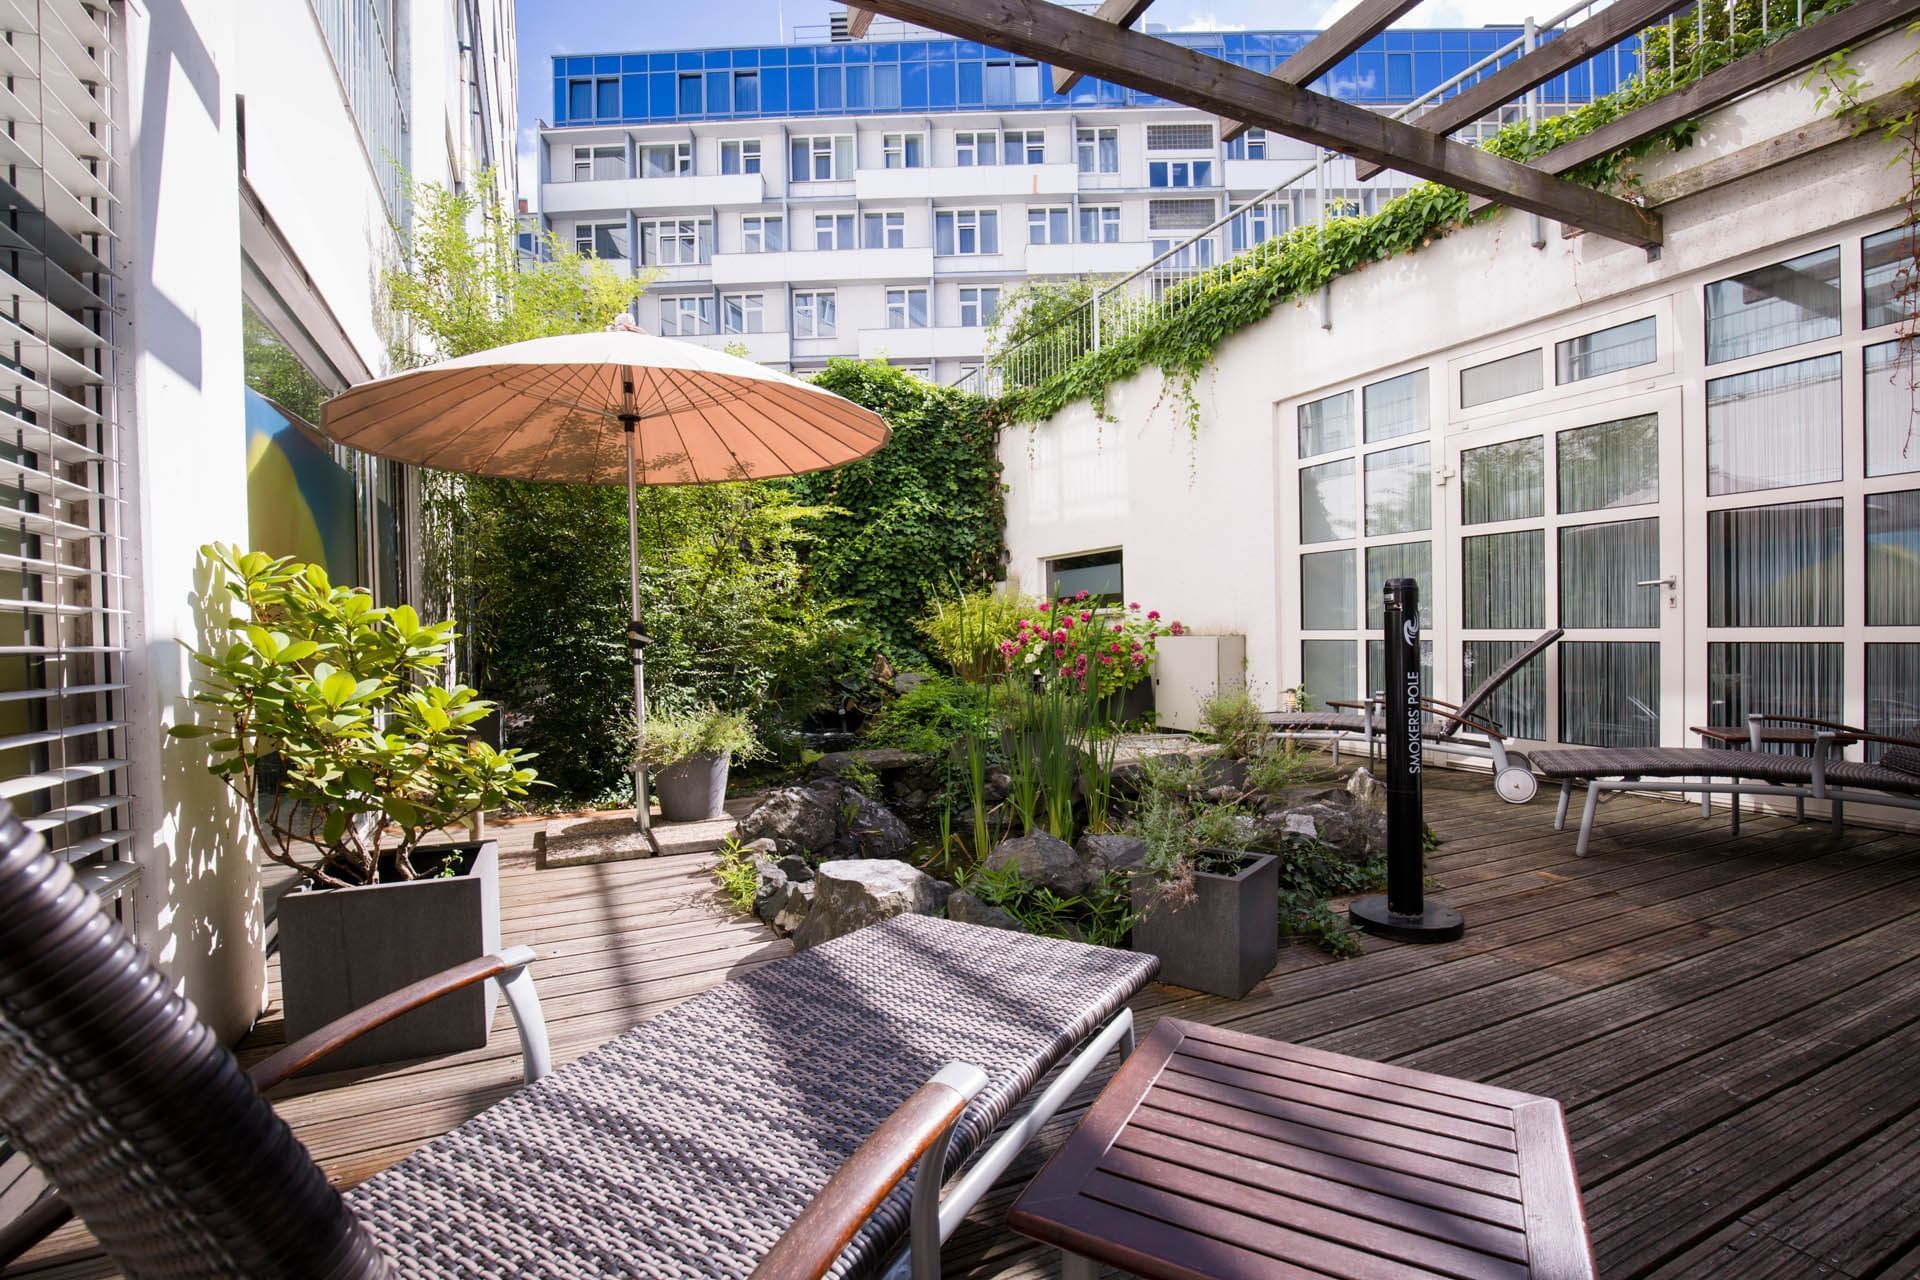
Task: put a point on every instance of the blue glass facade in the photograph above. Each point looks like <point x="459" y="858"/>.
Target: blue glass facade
<point x="957" y="75"/>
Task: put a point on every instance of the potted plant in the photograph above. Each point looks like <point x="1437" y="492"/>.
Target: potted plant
<point x="691" y="754"/>
<point x="1205" y="904"/>
<point x="322" y="720"/>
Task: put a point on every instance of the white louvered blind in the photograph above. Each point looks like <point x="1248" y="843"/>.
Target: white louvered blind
<point x="63" y="738"/>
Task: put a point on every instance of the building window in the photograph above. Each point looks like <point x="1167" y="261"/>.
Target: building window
<point x="666" y="159"/>
<point x="676" y="242"/>
<point x="1776" y="566"/>
<point x="1326" y="425"/>
<point x="1779" y="679"/>
<point x="743" y="313"/>
<point x="1398" y="560"/>
<point x="580" y="99"/>
<point x="1601" y="569"/>
<point x="1192" y="256"/>
<point x="593" y="99"/>
<point x="1775" y="306"/>
<point x="1890" y="289"/>
<point x="903" y="150"/>
<point x="1774" y="428"/>
<point x="906" y="308"/>
<point x="1179" y="137"/>
<point x="974" y="149"/>
<point x="966" y="231"/>
<point x="1179" y="215"/>
<point x="1049" y="226"/>
<point x="1101" y="574"/>
<point x="1395" y="406"/>
<point x="1327" y="511"/>
<point x="1893" y="708"/>
<point x="1257" y="225"/>
<point x="821" y="158"/>
<point x="1591" y="355"/>
<point x="1329" y="669"/>
<point x="1399" y="491"/>
<point x="1502" y="379"/>
<point x="1097" y="150"/>
<point x="1251" y="145"/>
<point x="601" y="240"/>
<point x="740" y="155"/>
<point x="1180" y="173"/>
<point x="686" y="317"/>
<point x="763" y="233"/>
<point x="833" y="231"/>
<point x="1893" y="564"/>
<point x="1025" y="146"/>
<point x="813" y="315"/>
<point x="883" y="231"/>
<point x="1519" y="706"/>
<point x="1610" y="464"/>
<point x="977" y="305"/>
<point x="1327" y="591"/>
<point x="691" y="100"/>
<point x="1503" y="481"/>
<point x="1100" y="224"/>
<point x="1893" y="425"/>
<point x="1609" y="693"/>
<point x="746" y="92"/>
<point x="1503" y="580"/>
<point x="599" y="163"/>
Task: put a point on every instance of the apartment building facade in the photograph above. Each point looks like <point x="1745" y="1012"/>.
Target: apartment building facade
<point x="878" y="198"/>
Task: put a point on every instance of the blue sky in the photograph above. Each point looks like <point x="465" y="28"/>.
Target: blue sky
<point x="548" y="27"/>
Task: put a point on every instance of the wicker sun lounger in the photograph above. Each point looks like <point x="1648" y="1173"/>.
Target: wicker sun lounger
<point x="1894" y="781"/>
<point x="689" y="1147"/>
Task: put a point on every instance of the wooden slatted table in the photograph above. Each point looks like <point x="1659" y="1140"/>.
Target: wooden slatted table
<point x="1217" y="1154"/>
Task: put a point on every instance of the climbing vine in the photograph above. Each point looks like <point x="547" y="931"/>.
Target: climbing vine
<point x="1190" y="320"/>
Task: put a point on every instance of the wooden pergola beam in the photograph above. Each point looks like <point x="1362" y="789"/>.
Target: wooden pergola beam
<point x="1048" y="32"/>
<point x="1831" y="33"/>
<point x="1597" y="34"/>
<point x="1121" y="13"/>
<point x="858" y="20"/>
<point x="1319" y="55"/>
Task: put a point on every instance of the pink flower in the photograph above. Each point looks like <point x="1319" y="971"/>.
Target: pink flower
<point x="1114" y="647"/>
<point x="1153" y="615"/>
<point x="1135" y="605"/>
<point x="1086" y="615"/>
<point x="1061" y="635"/>
<point x="1177" y="629"/>
<point x="1066" y="621"/>
<point x="1081" y="596"/>
<point x="1137" y="646"/>
<point x="1080" y="664"/>
<point x="1106" y="659"/>
<point x="1045" y="607"/>
<point x="1139" y="659"/>
<point x="1008" y="648"/>
<point x="1059" y="651"/>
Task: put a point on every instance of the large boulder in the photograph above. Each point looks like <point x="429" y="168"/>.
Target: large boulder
<point x="1101" y="854"/>
<point x="1354" y="829"/>
<point x="770" y="891"/>
<point x="794" y="909"/>
<point x="967" y="909"/>
<point x="1044" y="860"/>
<point x="800" y="820"/>
<point x="852" y="893"/>
<point x="868" y="829"/>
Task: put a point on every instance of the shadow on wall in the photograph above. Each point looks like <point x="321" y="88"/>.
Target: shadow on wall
<point x="200" y="915"/>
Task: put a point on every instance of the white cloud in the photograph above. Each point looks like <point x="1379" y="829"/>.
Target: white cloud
<point x="1209" y="21"/>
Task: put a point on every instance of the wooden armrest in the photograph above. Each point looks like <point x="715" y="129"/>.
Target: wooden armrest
<point x="33" y="1224"/>
<point x="1351" y="706"/>
<point x="811" y="1246"/>
<point x="1810" y="721"/>
<point x="1883" y="739"/>
<point x="310" y="1048"/>
<point x="1440" y="702"/>
<point x="1479" y="726"/>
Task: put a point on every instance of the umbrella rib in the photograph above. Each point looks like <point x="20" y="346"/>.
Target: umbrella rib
<point x="583" y="372"/>
<point x="462" y="433"/>
<point x="462" y="392"/>
<point x="803" y="405"/>
<point x="730" y="410"/>
<point x="721" y="439"/>
<point x="362" y="400"/>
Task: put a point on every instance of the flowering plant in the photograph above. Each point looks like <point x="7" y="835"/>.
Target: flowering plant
<point x="1110" y="650"/>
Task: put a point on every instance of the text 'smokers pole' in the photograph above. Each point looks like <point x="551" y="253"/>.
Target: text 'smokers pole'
<point x="1403" y="911"/>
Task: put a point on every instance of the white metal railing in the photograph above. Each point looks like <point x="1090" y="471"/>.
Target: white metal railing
<point x="364" y="56"/>
<point x="1154" y="292"/>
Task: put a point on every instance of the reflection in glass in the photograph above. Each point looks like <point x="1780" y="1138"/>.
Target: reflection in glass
<point x="1326" y="502"/>
<point x="1514" y="375"/>
<point x="1591" y="355"/>
<point x="1098" y="573"/>
<point x="1893" y="693"/>
<point x="1773" y="679"/>
<point x="1893" y="559"/>
<point x="1326" y="591"/>
<point x="1610" y="693"/>
<point x="1775" y="566"/>
<point x="1399" y="560"/>
<point x="1601" y="567"/>
<point x="1892" y="409"/>
<point x="1396" y="407"/>
<point x="1503" y="481"/>
<point x="1399" y="491"/>
<point x="1890" y="291"/>
<point x="1326" y="425"/>
<point x="1774" y="428"/>
<point x="1520" y="705"/>
<point x="1330" y="669"/>
<point x="1774" y="306"/>
<point x="1504" y="580"/>
<point x="1611" y="464"/>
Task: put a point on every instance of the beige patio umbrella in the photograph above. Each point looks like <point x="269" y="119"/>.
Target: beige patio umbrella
<point x="597" y="408"/>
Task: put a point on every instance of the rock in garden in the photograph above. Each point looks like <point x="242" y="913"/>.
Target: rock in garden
<point x="1101" y="854"/>
<point x="871" y="830"/>
<point x="877" y="760"/>
<point x="1349" y="828"/>
<point x="1045" y="860"/>
<point x="1366" y="789"/>
<point x="770" y="891"/>
<point x="967" y="909"/>
<point x="852" y="893"/>
<point x="797" y="820"/>
<point x="796" y="868"/>
<point x="793" y="912"/>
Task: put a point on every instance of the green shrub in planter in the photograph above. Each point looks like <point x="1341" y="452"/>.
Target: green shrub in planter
<point x="691" y="754"/>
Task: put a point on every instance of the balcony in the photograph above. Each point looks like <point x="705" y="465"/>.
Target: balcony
<point x="938" y="342"/>
<point x="1117" y="258"/>
<point x="822" y="266"/>
<point x="949" y="182"/>
<point x="1258" y="175"/>
<point x="691" y="192"/>
<point x="761" y="348"/>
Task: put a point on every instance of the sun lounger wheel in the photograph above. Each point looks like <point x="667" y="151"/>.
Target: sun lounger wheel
<point x="1516" y="784"/>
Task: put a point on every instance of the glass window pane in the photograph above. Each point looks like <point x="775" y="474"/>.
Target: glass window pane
<point x="1773" y="679"/>
<point x="1399" y="560"/>
<point x="1891" y="293"/>
<point x="1513" y="375"/>
<point x="1326" y="502"/>
<point x="1601" y="566"/>
<point x="1396" y="407"/>
<point x="1622" y="347"/>
<point x="1326" y="425"/>
<point x="1099" y="574"/>
<point x="1892" y="409"/>
<point x="1399" y="491"/>
<point x="1610" y="693"/>
<point x="1774" y="428"/>
<point x="1893" y="559"/>
<point x="1330" y="669"/>
<point x="1504" y="580"/>
<point x="1775" y="566"/>
<point x="1893" y="692"/>
<point x="1613" y="464"/>
<point x="1775" y="306"/>
<point x="1503" y="481"/>
<point x="1326" y="591"/>
<point x="1377" y="666"/>
<point x="1520" y="705"/>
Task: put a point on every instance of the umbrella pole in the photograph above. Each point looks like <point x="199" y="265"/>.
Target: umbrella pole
<point x="636" y="644"/>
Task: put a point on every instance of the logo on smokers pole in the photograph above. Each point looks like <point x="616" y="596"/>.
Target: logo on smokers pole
<point x="1410" y="634"/>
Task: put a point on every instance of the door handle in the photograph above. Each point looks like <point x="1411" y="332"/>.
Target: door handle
<point x="1669" y="582"/>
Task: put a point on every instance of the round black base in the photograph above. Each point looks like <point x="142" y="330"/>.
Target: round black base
<point x="1438" y="923"/>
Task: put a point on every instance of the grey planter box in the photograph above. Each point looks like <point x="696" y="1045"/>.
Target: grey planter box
<point x="342" y="948"/>
<point x="1222" y="941"/>
<point x="694" y="789"/>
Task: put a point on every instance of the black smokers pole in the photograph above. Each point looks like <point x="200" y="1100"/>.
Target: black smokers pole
<point x="1403" y="911"/>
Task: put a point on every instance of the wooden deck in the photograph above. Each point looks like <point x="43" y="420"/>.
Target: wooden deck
<point x="1730" y="1023"/>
